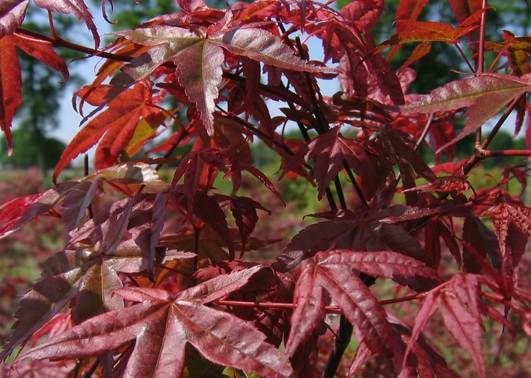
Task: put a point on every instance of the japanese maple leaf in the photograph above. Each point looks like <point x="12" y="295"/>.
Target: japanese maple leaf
<point x="363" y="14"/>
<point x="244" y="212"/>
<point x="115" y="126"/>
<point x="335" y="272"/>
<point x="408" y="10"/>
<point x="199" y="54"/>
<point x="172" y="323"/>
<point x="332" y="152"/>
<point x="355" y="232"/>
<point x="421" y="361"/>
<point x="77" y="195"/>
<point x="460" y="305"/>
<point x="76" y="7"/>
<point x="12" y="13"/>
<point x="10" y="80"/>
<point x="483" y="97"/>
<point x="427" y="31"/>
<point x="86" y="273"/>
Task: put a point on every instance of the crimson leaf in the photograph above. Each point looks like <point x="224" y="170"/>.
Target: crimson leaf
<point x="172" y="323"/>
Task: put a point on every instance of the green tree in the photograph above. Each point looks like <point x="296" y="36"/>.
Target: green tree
<point x="32" y="149"/>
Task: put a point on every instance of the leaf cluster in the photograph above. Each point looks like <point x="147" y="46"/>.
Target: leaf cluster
<point x="153" y="281"/>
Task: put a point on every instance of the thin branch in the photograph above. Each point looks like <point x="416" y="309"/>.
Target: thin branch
<point x="501" y="121"/>
<point x="341" y="341"/>
<point x="482" y="32"/>
<point x="291" y="306"/>
<point x="425" y="132"/>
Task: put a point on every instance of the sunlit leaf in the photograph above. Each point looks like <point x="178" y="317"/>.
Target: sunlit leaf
<point x="483" y="97"/>
<point x="12" y="13"/>
<point x="185" y="319"/>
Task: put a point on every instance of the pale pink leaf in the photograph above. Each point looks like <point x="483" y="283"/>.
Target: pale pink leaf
<point x="199" y="68"/>
<point x="12" y="13"/>
<point x="76" y="7"/>
<point x="484" y="96"/>
<point x="261" y="45"/>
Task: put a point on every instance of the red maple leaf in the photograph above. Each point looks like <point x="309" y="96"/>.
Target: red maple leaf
<point x="10" y="80"/>
<point x="115" y="126"/>
<point x="172" y="322"/>
<point x="335" y="272"/>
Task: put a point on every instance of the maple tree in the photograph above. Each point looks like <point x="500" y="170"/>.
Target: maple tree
<point x="153" y="279"/>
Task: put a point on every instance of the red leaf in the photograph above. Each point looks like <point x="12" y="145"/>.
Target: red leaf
<point x="309" y="311"/>
<point x="191" y="5"/>
<point x="87" y="272"/>
<point x="402" y="269"/>
<point x="20" y="211"/>
<point x="45" y="54"/>
<point x="363" y="14"/>
<point x="210" y="331"/>
<point x="360" y="232"/>
<point x="265" y="47"/>
<point x="198" y="58"/>
<point x="10" y="80"/>
<point x="483" y="241"/>
<point x="146" y="224"/>
<point x="115" y="126"/>
<point x="77" y="201"/>
<point x="223" y="285"/>
<point x="426" y="309"/>
<point x="10" y="86"/>
<point x="408" y="10"/>
<point x="244" y="212"/>
<point x="199" y="68"/>
<point x="76" y="7"/>
<point x="463" y="9"/>
<point x="12" y="12"/>
<point x="484" y="96"/>
<point x="333" y="272"/>
<point x="207" y="209"/>
<point x="465" y="328"/>
<point x="331" y="152"/>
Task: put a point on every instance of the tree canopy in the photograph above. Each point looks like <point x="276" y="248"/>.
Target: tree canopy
<point x="180" y="257"/>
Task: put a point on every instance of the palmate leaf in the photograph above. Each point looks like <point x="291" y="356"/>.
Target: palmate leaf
<point x="198" y="57"/>
<point x="12" y="13"/>
<point x="408" y="10"/>
<point x="463" y="9"/>
<point x="172" y="323"/>
<point x="420" y="361"/>
<point x="461" y="308"/>
<point x="331" y="152"/>
<point x="18" y="212"/>
<point x="428" y="31"/>
<point x="82" y="273"/>
<point x="336" y="272"/>
<point x="483" y="96"/>
<point x="77" y="195"/>
<point x="115" y="126"/>
<point x="363" y="14"/>
<point x="76" y="7"/>
<point x="360" y="232"/>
